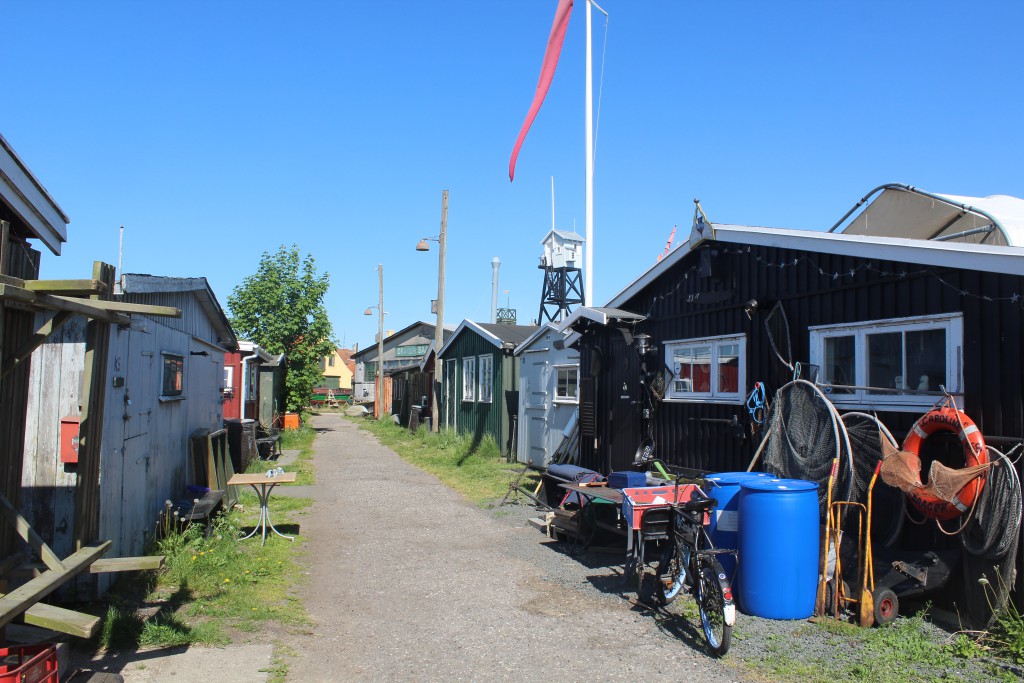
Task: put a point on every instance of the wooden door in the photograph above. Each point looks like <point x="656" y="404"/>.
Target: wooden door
<point x="450" y="393"/>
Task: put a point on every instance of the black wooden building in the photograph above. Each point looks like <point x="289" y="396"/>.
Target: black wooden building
<point x="883" y="320"/>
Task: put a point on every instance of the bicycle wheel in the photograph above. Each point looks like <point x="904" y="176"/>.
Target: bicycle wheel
<point x="671" y="573"/>
<point x="714" y="598"/>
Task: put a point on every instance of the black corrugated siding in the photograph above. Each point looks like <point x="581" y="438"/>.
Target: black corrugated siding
<point x="818" y="290"/>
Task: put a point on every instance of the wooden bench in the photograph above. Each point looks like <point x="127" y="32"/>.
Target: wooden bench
<point x="201" y="510"/>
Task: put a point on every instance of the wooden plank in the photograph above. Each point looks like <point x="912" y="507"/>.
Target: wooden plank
<point x="35" y="341"/>
<point x="67" y="287"/>
<point x="62" y="620"/>
<point x="58" y="303"/>
<point x="127" y="564"/>
<point x="28" y="594"/>
<point x="11" y="280"/>
<point x="28" y="534"/>
<point x="125" y="307"/>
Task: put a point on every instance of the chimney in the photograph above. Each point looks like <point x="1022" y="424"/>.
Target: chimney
<point x="495" y="265"/>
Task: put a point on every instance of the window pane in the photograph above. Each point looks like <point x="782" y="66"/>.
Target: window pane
<point x="885" y="361"/>
<point x="840" y="363"/>
<point x="566" y="386"/>
<point x="702" y="368"/>
<point x="728" y="368"/>
<point x="682" y="361"/>
<point x="926" y="359"/>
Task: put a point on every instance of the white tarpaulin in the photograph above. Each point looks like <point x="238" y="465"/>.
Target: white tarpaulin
<point x="905" y="212"/>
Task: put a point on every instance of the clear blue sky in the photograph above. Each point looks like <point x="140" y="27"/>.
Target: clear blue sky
<point x="215" y="131"/>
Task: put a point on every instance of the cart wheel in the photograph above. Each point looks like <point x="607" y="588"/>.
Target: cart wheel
<point x="831" y="597"/>
<point x="887" y="606"/>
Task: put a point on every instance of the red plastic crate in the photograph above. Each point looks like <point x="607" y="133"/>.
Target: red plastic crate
<point x="635" y="501"/>
<point x="29" y="664"/>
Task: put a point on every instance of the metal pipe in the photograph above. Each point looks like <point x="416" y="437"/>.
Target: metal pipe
<point x="495" y="265"/>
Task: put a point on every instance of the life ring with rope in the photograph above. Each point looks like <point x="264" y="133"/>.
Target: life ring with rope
<point x="948" y="419"/>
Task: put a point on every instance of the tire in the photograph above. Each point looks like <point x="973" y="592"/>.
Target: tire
<point x="887" y="606"/>
<point x="670" y="575"/>
<point x="712" y="587"/>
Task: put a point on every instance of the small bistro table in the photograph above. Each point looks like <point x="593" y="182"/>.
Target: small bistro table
<point x="263" y="485"/>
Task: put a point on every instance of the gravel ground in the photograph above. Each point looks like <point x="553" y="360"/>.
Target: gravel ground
<point x="407" y="581"/>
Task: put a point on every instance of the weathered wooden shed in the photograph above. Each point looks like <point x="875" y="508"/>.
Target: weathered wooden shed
<point x="163" y="382"/>
<point x="403" y="350"/>
<point x="549" y="366"/>
<point x="481" y="381"/>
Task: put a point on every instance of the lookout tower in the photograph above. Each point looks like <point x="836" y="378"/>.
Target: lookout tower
<point x="563" y="256"/>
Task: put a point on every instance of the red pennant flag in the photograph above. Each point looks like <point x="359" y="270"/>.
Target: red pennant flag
<point x="547" y="72"/>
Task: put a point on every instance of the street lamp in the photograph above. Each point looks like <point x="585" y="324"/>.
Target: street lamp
<point x="379" y="378"/>
<point x="424" y="245"/>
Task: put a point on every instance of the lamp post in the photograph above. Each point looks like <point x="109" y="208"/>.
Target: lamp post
<point x="424" y="245"/>
<point x="379" y="377"/>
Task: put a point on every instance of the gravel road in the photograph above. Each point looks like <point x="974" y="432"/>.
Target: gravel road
<point x="408" y="581"/>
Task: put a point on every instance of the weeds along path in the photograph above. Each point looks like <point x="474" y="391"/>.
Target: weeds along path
<point x="409" y="582"/>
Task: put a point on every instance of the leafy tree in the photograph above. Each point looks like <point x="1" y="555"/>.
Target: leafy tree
<point x="281" y="308"/>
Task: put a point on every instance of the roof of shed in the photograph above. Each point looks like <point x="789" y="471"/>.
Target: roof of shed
<point x="28" y="199"/>
<point x="137" y="283"/>
<point x="979" y="257"/>
<point x="496" y="333"/>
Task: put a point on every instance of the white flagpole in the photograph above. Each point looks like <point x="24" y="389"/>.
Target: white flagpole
<point x="588" y="286"/>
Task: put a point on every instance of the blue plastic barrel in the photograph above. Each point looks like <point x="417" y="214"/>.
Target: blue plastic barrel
<point x="779" y="548"/>
<point x="725" y="519"/>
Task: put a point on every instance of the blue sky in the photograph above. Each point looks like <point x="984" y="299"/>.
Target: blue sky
<point x="216" y="131"/>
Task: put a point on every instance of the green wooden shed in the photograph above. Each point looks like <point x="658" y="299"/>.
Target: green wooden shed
<point x="479" y="387"/>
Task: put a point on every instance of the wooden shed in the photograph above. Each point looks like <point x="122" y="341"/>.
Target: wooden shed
<point x="481" y="381"/>
<point x="549" y="367"/>
<point x="880" y="322"/>
<point x="163" y="382"/>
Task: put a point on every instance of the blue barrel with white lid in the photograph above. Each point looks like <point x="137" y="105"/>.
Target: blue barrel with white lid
<point x="725" y="522"/>
<point x="779" y="547"/>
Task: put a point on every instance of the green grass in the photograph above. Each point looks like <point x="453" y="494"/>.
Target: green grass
<point x="906" y="651"/>
<point x="211" y="590"/>
<point x="477" y="471"/>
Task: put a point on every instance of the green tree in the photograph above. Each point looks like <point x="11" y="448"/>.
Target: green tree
<point x="281" y="308"/>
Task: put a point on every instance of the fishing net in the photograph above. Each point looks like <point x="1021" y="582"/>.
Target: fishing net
<point x="803" y="435"/>
<point x="867" y="436"/>
<point x="902" y="469"/>
<point x="990" y="543"/>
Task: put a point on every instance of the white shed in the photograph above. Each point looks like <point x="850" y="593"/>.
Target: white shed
<point x="548" y="393"/>
<point x="562" y="249"/>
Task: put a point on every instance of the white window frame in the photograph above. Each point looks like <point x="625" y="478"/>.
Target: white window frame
<point x="469" y="379"/>
<point x="229" y="380"/>
<point x="572" y="370"/>
<point x="485" y="378"/>
<point x="951" y="323"/>
<point x="715" y="395"/>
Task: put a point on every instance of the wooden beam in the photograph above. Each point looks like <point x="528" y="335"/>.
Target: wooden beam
<point x="29" y="535"/>
<point x="125" y="307"/>
<point x="11" y="280"/>
<point x="84" y="307"/>
<point x="34" y="342"/>
<point x="127" y="564"/>
<point x="28" y="594"/>
<point x="62" y="620"/>
<point x="67" y="287"/>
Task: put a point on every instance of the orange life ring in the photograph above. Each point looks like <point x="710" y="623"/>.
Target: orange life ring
<point x="947" y="419"/>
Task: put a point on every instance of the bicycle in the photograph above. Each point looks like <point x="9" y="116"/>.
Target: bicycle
<point x="689" y="563"/>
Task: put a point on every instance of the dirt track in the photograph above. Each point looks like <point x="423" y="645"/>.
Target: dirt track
<point x="408" y="581"/>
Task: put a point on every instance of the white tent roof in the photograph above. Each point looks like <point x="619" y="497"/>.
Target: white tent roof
<point x="904" y="211"/>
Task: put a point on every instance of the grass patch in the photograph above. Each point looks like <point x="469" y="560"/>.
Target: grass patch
<point x="210" y="590"/>
<point x="906" y="651"/>
<point x="476" y="470"/>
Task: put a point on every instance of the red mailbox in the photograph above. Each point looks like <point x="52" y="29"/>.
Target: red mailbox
<point x="69" y="439"/>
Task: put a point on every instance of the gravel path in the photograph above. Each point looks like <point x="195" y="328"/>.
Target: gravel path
<point x="407" y="581"/>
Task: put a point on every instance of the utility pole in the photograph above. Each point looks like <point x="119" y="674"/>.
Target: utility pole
<point x="442" y="241"/>
<point x="379" y="389"/>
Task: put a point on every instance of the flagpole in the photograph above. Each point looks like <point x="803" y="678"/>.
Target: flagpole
<point x="588" y="282"/>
